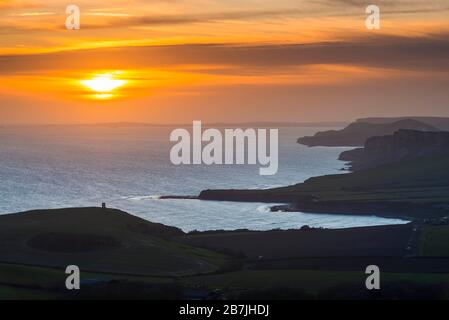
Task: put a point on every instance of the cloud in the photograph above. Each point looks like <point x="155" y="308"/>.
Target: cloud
<point x="404" y="53"/>
<point x="11" y="4"/>
<point x="109" y="14"/>
<point x="113" y="18"/>
<point x="120" y="20"/>
<point x="194" y="18"/>
<point x="34" y="14"/>
<point x="388" y="6"/>
<point x="332" y="11"/>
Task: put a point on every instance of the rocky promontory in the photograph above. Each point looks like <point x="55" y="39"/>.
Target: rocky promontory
<point x="401" y="146"/>
<point x="357" y="133"/>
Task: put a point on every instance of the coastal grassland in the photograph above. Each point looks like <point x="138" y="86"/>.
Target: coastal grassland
<point x="25" y="282"/>
<point x="47" y="277"/>
<point x="32" y="282"/>
<point x="309" y="280"/>
<point x="435" y="241"/>
<point x="351" y="242"/>
<point x="14" y="293"/>
<point x="410" y="189"/>
<point x="313" y="281"/>
<point x="100" y="240"/>
<point x="218" y="259"/>
<point x="20" y="275"/>
<point x="28" y="282"/>
<point x="423" y="179"/>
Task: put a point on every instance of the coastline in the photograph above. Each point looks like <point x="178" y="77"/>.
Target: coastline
<point x="399" y="210"/>
<point x="412" y="189"/>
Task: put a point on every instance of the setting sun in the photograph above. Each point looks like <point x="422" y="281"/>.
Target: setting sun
<point x="103" y="83"/>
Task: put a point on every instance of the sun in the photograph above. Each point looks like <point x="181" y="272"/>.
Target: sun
<point x="103" y="84"/>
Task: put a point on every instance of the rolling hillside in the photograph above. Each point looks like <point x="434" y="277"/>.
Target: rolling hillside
<point x="100" y="240"/>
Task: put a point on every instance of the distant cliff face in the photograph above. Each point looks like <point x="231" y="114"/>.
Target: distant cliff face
<point x="440" y="123"/>
<point x="357" y="133"/>
<point x="402" y="145"/>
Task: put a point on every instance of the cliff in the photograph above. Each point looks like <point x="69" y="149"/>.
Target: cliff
<point x="358" y="132"/>
<point x="403" y="145"/>
<point x="440" y="123"/>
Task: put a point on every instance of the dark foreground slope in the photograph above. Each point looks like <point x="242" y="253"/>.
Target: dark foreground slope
<point x="102" y="240"/>
<point x="121" y="256"/>
<point x="417" y="188"/>
<point x="358" y="132"/>
<point x="381" y="241"/>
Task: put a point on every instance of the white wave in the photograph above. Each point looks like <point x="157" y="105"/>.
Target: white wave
<point x="140" y="198"/>
<point x="264" y="209"/>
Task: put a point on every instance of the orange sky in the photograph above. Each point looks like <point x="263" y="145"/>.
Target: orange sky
<point x="168" y="61"/>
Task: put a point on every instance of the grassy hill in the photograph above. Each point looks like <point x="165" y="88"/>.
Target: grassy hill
<point x="101" y="240"/>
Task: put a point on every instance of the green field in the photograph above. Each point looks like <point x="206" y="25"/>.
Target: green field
<point x="12" y="293"/>
<point x="262" y="279"/>
<point x="422" y="180"/>
<point x="311" y="281"/>
<point x="435" y="241"/>
<point x="30" y="282"/>
<point x="26" y="282"/>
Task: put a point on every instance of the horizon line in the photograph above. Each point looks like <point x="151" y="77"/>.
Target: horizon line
<point x="133" y="123"/>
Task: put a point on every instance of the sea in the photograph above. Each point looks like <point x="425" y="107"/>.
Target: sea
<point x="128" y="167"/>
